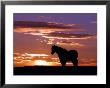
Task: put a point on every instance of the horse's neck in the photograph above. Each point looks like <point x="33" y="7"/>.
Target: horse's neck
<point x="61" y="51"/>
<point x="64" y="50"/>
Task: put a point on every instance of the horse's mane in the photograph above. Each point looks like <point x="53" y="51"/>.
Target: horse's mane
<point x="61" y="48"/>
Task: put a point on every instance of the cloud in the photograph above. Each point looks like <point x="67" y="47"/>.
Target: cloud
<point x="27" y="59"/>
<point x="16" y="54"/>
<point x="53" y="34"/>
<point x="65" y="42"/>
<point x="87" y="62"/>
<point x="67" y="36"/>
<point x="93" y="22"/>
<point x="41" y="16"/>
<point x="28" y="56"/>
<point x="62" y="24"/>
<point x="47" y="17"/>
<point x="49" y="29"/>
<point x="25" y="30"/>
<point x="70" y="43"/>
<point x="27" y="26"/>
<point x="46" y="29"/>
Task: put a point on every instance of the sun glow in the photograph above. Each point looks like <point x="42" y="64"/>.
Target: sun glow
<point x="41" y="62"/>
<point x="33" y="55"/>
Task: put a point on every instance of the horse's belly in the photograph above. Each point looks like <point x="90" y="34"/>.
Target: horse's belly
<point x="68" y="59"/>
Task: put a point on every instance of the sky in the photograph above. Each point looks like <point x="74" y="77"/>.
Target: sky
<point x="35" y="33"/>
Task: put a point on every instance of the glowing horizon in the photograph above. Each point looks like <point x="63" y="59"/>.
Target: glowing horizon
<point x="47" y="60"/>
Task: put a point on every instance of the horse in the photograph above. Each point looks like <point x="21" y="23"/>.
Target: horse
<point x="65" y="55"/>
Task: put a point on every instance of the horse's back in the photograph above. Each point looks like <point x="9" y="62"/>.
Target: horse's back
<point x="73" y="53"/>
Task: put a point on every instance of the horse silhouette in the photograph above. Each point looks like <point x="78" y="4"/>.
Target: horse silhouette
<point x="65" y="55"/>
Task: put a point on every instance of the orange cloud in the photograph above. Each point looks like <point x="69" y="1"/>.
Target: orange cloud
<point x="67" y="36"/>
<point x="70" y="43"/>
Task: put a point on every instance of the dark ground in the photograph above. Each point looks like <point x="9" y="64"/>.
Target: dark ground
<point x="55" y="70"/>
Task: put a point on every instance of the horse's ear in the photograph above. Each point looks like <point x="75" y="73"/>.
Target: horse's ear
<point x="53" y="44"/>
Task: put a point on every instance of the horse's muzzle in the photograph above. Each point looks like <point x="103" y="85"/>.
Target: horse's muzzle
<point x="51" y="53"/>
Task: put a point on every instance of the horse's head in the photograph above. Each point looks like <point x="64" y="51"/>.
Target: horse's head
<point x="53" y="49"/>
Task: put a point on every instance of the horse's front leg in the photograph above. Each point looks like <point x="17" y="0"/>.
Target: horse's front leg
<point x="63" y="63"/>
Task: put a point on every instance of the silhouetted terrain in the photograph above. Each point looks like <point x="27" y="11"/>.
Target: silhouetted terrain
<point x="55" y="70"/>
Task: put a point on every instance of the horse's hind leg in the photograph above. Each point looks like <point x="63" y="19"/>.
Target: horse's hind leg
<point x="75" y="63"/>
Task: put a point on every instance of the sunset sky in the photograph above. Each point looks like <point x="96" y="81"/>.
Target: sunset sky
<point x="35" y="33"/>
